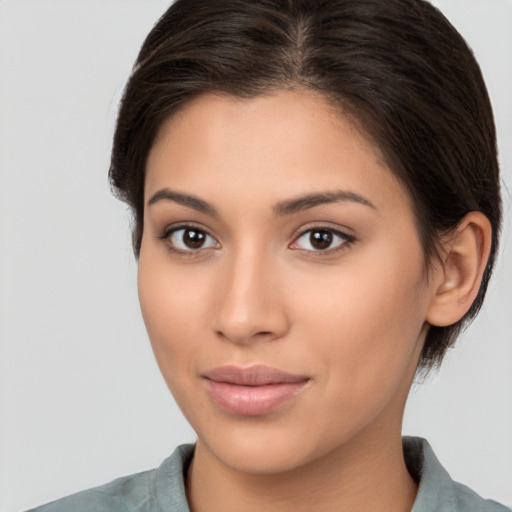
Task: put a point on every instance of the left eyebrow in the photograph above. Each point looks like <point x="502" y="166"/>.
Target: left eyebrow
<point x="298" y="204"/>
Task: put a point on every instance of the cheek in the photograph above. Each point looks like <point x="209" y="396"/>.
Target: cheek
<point x="171" y="308"/>
<point x="366" y="319"/>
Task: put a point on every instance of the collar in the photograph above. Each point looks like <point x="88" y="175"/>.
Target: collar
<point x="437" y="492"/>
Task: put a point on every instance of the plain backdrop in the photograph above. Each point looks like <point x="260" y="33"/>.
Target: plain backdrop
<point x="81" y="398"/>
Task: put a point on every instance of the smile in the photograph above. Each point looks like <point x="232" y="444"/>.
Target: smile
<point x="252" y="391"/>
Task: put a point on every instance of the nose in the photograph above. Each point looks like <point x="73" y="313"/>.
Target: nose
<point x="250" y="304"/>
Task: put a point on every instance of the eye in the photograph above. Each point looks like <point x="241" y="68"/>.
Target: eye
<point x="188" y="239"/>
<point x="322" y="240"/>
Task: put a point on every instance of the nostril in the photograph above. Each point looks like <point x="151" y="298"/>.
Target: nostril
<point x="245" y="337"/>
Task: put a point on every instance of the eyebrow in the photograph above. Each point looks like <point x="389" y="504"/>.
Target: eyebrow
<point x="283" y="208"/>
<point x="184" y="199"/>
<point x="311" y="200"/>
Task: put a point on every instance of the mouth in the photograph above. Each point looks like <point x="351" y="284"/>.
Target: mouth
<point x="252" y="391"/>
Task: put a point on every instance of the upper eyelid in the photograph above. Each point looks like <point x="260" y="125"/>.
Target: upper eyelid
<point x="190" y="225"/>
<point x="337" y="232"/>
<point x="169" y="230"/>
<point x="324" y="226"/>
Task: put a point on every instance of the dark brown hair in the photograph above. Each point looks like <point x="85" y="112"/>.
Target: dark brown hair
<point x="397" y="66"/>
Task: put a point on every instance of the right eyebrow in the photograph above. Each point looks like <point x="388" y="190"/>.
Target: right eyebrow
<point x="188" y="200"/>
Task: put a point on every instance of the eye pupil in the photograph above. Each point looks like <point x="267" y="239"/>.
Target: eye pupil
<point x="321" y="239"/>
<point x="193" y="239"/>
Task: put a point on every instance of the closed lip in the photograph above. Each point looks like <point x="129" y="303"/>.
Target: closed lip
<point x="255" y="375"/>
<point x="253" y="391"/>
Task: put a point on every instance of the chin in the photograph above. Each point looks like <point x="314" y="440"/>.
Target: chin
<point x="258" y="455"/>
<point x="267" y="446"/>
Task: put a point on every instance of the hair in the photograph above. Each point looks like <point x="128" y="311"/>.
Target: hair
<point x="397" y="67"/>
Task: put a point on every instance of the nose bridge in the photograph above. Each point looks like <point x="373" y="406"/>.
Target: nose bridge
<point x="249" y="302"/>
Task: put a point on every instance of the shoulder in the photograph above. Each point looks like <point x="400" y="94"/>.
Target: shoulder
<point x="124" y="494"/>
<point x="150" y="491"/>
<point x="437" y="492"/>
<point x="468" y="500"/>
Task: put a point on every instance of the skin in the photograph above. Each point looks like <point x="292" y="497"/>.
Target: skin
<point x="352" y="317"/>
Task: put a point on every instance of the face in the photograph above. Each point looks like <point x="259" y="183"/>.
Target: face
<point x="281" y="279"/>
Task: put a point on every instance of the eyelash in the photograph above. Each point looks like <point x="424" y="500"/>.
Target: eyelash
<point x="168" y="232"/>
<point x="347" y="240"/>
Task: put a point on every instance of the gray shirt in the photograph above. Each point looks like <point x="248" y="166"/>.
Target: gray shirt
<point x="163" y="489"/>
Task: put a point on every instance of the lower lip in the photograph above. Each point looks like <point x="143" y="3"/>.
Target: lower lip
<point x="253" y="400"/>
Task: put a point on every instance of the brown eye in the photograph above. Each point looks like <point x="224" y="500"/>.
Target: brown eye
<point x="321" y="239"/>
<point x="193" y="238"/>
<point x="190" y="239"/>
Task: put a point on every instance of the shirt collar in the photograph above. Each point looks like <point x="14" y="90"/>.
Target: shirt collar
<point x="437" y="492"/>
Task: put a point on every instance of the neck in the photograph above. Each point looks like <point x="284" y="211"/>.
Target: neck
<point x="368" y="473"/>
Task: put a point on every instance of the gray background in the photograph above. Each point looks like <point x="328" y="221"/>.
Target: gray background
<point x="81" y="399"/>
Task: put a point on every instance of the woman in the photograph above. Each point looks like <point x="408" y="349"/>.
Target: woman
<point x="316" y="208"/>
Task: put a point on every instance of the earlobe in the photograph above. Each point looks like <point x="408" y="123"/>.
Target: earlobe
<point x="463" y="260"/>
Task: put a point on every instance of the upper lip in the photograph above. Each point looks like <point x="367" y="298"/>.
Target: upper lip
<point x="256" y="375"/>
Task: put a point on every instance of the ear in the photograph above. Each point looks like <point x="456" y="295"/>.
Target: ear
<point x="464" y="256"/>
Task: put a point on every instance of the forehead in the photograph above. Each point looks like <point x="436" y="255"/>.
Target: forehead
<point x="275" y="145"/>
